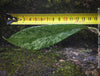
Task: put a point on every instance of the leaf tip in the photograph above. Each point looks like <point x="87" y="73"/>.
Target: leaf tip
<point x="4" y="37"/>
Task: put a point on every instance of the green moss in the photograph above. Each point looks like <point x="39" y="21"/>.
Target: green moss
<point x="27" y="62"/>
<point x="68" y="68"/>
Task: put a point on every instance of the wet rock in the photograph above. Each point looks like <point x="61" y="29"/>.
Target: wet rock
<point x="91" y="58"/>
<point x="94" y="73"/>
<point x="3" y="73"/>
<point x="76" y="53"/>
<point x="86" y="60"/>
<point x="61" y="60"/>
<point x="88" y="73"/>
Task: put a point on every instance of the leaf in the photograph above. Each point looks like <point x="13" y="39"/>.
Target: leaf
<point x="85" y="50"/>
<point x="38" y="37"/>
<point x="93" y="29"/>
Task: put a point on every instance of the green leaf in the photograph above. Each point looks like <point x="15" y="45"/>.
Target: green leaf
<point x="38" y="37"/>
<point x="85" y="50"/>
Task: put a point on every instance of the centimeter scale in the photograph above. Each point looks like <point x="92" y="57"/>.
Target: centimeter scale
<point x="42" y="19"/>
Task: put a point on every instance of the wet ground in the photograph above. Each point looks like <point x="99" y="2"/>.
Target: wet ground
<point x="85" y="58"/>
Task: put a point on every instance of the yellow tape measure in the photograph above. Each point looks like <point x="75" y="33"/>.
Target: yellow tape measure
<point x="40" y="19"/>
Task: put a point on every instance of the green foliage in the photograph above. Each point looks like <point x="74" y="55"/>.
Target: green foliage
<point x="38" y="37"/>
<point x="57" y="1"/>
<point x="85" y="50"/>
<point x="77" y="2"/>
<point x="67" y="1"/>
<point x="3" y="2"/>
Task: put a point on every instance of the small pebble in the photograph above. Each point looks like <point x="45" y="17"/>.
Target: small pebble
<point x="61" y="60"/>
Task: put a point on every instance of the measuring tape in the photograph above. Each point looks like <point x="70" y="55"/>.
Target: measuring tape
<point x="40" y="19"/>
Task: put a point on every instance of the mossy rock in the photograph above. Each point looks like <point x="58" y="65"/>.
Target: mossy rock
<point x="21" y="62"/>
<point x="69" y="69"/>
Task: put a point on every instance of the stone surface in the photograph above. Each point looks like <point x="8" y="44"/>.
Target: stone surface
<point x="87" y="60"/>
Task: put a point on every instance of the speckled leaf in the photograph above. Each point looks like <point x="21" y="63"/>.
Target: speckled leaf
<point x="38" y="37"/>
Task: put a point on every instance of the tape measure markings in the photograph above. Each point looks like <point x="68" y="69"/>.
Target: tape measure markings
<point x="81" y="18"/>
